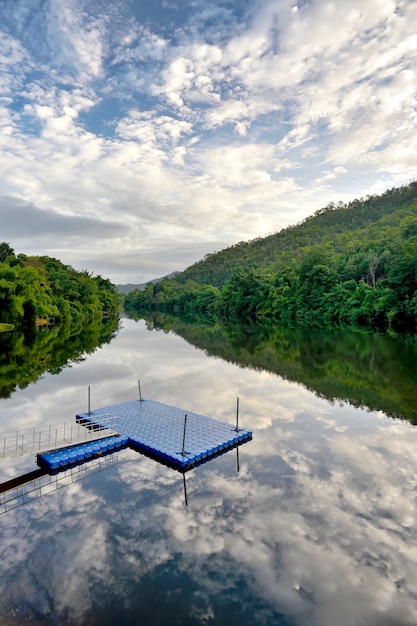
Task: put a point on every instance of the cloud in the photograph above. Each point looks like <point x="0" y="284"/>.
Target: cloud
<point x="76" y="41"/>
<point x="248" y="116"/>
<point x="21" y="220"/>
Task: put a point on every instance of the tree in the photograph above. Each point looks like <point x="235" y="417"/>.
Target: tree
<point x="5" y="251"/>
<point x="373" y="259"/>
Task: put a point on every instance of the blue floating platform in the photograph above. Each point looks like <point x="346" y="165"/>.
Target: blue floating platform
<point x="157" y="429"/>
<point x="61" y="458"/>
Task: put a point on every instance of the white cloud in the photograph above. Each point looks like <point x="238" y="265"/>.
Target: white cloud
<point x="251" y="121"/>
<point x="76" y="41"/>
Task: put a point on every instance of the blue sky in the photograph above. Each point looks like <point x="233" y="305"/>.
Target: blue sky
<point x="137" y="136"/>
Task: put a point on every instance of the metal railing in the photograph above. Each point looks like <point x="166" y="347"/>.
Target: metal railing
<point x="40" y="438"/>
<point x="23" y="494"/>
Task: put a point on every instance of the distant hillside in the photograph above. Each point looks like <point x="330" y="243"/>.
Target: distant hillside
<point x="141" y="286"/>
<point x="348" y="265"/>
<point x="330" y="224"/>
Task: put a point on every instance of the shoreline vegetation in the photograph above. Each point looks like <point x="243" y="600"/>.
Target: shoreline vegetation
<point x="39" y="291"/>
<point x="348" y="266"/>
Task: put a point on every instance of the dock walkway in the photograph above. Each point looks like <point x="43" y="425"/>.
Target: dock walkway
<point x="179" y="438"/>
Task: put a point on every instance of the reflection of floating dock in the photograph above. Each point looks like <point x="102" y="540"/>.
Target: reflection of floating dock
<point x="171" y="435"/>
<point x="26" y="488"/>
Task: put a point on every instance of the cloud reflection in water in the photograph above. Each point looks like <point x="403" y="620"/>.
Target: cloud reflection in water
<point x="318" y="527"/>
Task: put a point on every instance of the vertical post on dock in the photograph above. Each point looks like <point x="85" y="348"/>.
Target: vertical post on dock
<point x="237" y="414"/>
<point x="89" y="412"/>
<point x="183" y="438"/>
<point x="140" y="393"/>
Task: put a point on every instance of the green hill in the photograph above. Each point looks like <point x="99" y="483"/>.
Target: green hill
<point x="340" y="226"/>
<point x="352" y="265"/>
<point x="40" y="290"/>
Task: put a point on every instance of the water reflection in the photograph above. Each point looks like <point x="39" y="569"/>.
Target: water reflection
<point x="26" y="357"/>
<point x="317" y="528"/>
<point x="371" y="371"/>
<point x="23" y="488"/>
<point x="39" y="483"/>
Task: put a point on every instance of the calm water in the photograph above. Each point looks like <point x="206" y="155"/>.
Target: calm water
<point x="318" y="526"/>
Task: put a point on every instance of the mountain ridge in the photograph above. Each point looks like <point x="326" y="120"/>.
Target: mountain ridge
<point x="330" y="221"/>
<point x="128" y="287"/>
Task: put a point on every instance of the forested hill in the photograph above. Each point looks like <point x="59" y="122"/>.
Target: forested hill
<point x="351" y="227"/>
<point x="351" y="265"/>
<point x="39" y="290"/>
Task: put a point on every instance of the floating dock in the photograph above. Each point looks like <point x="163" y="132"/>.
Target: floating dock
<point x="43" y="438"/>
<point x="61" y="458"/>
<point x="179" y="438"/>
<point x="172" y="436"/>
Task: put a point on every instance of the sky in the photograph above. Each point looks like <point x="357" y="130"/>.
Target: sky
<point x="137" y="136"/>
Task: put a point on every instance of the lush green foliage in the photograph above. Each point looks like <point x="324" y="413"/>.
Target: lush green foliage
<point x="347" y="266"/>
<point x="5" y="327"/>
<point x="40" y="290"/>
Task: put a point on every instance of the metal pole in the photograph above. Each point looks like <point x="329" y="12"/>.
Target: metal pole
<point x="237" y="414"/>
<point x="88" y="412"/>
<point x="140" y="393"/>
<point x="237" y="459"/>
<point x="183" y="438"/>
<point x="185" y="490"/>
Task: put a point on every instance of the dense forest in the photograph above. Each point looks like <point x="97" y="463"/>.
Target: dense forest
<point x="349" y="265"/>
<point x="40" y="290"/>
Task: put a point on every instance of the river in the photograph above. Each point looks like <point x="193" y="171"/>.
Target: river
<point x="312" y="523"/>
